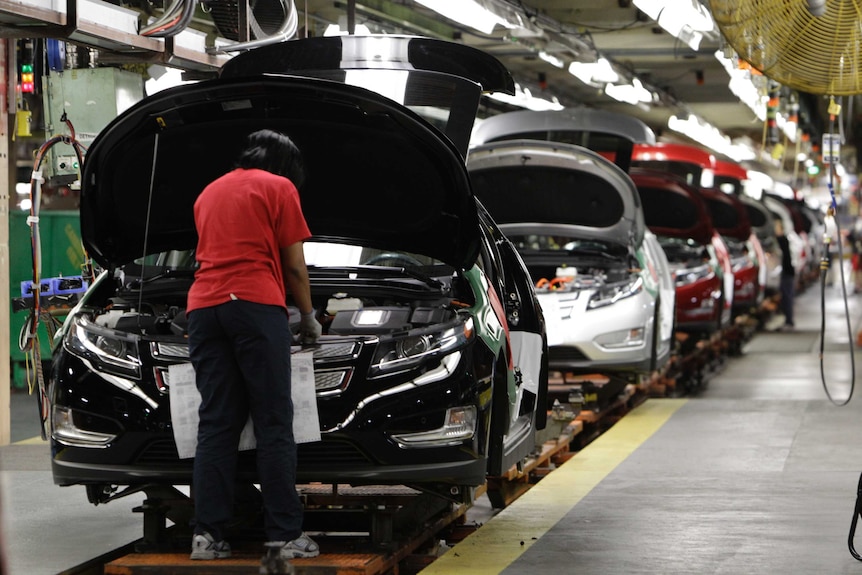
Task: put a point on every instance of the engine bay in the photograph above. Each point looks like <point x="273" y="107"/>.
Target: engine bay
<point x="345" y="303"/>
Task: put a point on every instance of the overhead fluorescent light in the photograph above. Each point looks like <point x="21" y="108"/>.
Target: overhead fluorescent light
<point x="469" y="13"/>
<point x="600" y="72"/>
<point x="551" y="59"/>
<point x="687" y="20"/>
<point x="742" y="86"/>
<point x="523" y="98"/>
<point x="708" y="135"/>
<point x="633" y="93"/>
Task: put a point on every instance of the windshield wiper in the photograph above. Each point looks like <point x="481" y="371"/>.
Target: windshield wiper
<point x="424" y="278"/>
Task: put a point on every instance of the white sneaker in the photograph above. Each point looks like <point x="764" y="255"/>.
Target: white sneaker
<point x="302" y="546"/>
<point x="205" y="547"/>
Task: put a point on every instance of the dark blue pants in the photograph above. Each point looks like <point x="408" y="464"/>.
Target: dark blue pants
<point x="241" y="355"/>
<point x="787" y="289"/>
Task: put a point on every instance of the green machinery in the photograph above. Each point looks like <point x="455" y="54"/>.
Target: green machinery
<point x="62" y="255"/>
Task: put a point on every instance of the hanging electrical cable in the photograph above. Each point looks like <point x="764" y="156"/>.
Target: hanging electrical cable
<point x="28" y="341"/>
<point x="834" y="110"/>
<point x="175" y="19"/>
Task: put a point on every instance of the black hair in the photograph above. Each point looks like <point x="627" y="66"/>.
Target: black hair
<point x="274" y="152"/>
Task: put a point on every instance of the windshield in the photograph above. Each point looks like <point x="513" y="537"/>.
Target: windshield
<point x="537" y="243"/>
<point x="330" y="254"/>
<point x="318" y="254"/>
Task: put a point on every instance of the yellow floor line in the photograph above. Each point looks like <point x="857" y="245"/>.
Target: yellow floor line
<point x="32" y="441"/>
<point x="505" y="537"/>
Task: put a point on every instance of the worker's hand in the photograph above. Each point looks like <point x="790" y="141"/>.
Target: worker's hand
<point x="309" y="329"/>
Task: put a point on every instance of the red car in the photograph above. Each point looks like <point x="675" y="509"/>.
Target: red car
<point x="749" y="259"/>
<point x="678" y="215"/>
<point x="693" y="166"/>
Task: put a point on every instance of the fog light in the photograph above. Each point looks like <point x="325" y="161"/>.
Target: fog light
<point x="624" y="338"/>
<point x="459" y="425"/>
<point x="66" y="432"/>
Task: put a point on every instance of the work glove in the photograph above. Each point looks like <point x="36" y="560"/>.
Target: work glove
<point x="309" y="329"/>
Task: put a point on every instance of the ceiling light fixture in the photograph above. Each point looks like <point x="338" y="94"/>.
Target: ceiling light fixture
<point x="634" y="93"/>
<point x="523" y="98"/>
<point x="469" y="13"/>
<point x="593" y="73"/>
<point x="742" y="85"/>
<point x="708" y="135"/>
<point x="687" y="20"/>
<point x="552" y="60"/>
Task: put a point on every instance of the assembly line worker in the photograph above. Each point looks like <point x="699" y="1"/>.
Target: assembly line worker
<point x="250" y="234"/>
<point x="788" y="276"/>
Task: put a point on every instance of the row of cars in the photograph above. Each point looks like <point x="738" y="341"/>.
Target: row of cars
<point x="449" y="278"/>
<point x="628" y="240"/>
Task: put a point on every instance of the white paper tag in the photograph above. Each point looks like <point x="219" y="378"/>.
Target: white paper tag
<point x="186" y="399"/>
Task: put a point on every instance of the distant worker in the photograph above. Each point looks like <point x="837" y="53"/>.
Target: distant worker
<point x="251" y="230"/>
<point x="788" y="277"/>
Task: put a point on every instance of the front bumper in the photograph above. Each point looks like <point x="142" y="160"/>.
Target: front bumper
<point x="360" y="451"/>
<point x="617" y="337"/>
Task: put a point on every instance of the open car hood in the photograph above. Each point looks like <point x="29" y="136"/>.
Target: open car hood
<point x="671" y="207"/>
<point x="610" y="134"/>
<point x="378" y="174"/>
<point x="762" y="221"/>
<point x="568" y="188"/>
<point x="729" y="215"/>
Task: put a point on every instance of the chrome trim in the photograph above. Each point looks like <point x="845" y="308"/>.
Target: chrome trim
<point x="445" y="369"/>
<point x="122" y="383"/>
<point x="166" y="350"/>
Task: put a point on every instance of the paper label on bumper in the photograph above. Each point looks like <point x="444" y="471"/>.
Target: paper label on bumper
<point x="186" y="399"/>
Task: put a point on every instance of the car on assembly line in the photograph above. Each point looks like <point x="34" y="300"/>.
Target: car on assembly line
<point x="694" y="167"/>
<point x="730" y="219"/>
<point x="678" y="215"/>
<point x="431" y="371"/>
<point x="577" y="222"/>
<point x="750" y="285"/>
<point x="576" y="219"/>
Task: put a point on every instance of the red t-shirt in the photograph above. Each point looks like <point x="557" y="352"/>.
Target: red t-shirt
<point x="242" y="219"/>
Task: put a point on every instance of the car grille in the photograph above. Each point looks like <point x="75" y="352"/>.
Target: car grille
<point x="329" y="453"/>
<point x="565" y="353"/>
<point x="331" y="380"/>
<point x="158" y="451"/>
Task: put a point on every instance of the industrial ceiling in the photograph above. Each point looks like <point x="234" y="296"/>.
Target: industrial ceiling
<point x="539" y="43"/>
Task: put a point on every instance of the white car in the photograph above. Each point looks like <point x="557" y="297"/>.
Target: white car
<point x="601" y="278"/>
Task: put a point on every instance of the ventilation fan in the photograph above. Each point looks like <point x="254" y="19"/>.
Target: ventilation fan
<point x="810" y="45"/>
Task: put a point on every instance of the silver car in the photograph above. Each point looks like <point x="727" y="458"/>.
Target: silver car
<point x="576" y="219"/>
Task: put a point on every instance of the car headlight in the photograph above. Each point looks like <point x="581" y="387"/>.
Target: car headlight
<point x="624" y="338"/>
<point x="459" y="425"/>
<point x="612" y="293"/>
<point x="405" y="352"/>
<point x="687" y="276"/>
<point x="106" y="349"/>
<point x="67" y="429"/>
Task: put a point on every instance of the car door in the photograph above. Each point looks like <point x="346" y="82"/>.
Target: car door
<point x="522" y="409"/>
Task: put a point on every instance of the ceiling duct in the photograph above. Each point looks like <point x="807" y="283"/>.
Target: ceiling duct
<point x="252" y="23"/>
<point x="810" y="45"/>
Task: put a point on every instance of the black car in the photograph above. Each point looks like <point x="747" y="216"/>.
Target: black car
<point x="431" y="371"/>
